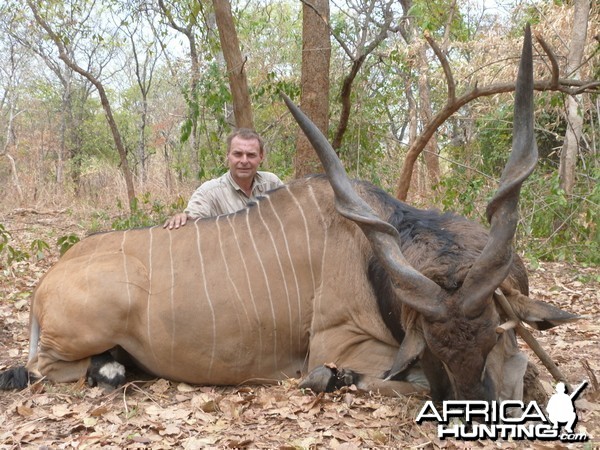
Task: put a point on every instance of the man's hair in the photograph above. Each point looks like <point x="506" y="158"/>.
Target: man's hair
<point x="246" y="134"/>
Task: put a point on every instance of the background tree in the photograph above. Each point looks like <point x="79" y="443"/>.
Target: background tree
<point x="184" y="17"/>
<point x="242" y="107"/>
<point x="145" y="55"/>
<point x="314" y="80"/>
<point x="574" y="119"/>
<point x="65" y="56"/>
<point x="11" y="75"/>
<point x="371" y="26"/>
<point x="73" y="91"/>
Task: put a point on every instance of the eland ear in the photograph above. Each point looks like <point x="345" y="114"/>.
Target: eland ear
<point x="538" y="314"/>
<point x="410" y="350"/>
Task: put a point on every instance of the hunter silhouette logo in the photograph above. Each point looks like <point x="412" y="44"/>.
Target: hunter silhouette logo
<point x="509" y="419"/>
<point x="561" y="407"/>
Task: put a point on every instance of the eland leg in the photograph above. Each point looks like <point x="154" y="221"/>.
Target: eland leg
<point x="99" y="370"/>
<point x="85" y="308"/>
<point x="45" y="364"/>
<point x="327" y="378"/>
<point x="358" y="359"/>
<point x="104" y="371"/>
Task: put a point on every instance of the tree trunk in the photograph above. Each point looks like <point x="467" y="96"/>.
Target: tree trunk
<point x="569" y="153"/>
<point x="11" y="160"/>
<point x="242" y="107"/>
<point x="316" y="55"/>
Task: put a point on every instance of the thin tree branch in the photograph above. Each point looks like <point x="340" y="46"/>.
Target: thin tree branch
<point x="445" y="66"/>
<point x="554" y="81"/>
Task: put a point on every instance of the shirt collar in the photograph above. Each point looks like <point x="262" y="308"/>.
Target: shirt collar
<point x="255" y="181"/>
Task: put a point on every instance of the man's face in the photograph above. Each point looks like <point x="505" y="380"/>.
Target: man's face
<point x="244" y="157"/>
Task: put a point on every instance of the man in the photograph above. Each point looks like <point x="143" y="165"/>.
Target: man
<point x="233" y="190"/>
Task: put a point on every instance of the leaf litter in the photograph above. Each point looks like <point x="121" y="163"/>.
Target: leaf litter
<point x="161" y="414"/>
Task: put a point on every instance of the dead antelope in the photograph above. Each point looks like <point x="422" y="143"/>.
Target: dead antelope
<point x="307" y="276"/>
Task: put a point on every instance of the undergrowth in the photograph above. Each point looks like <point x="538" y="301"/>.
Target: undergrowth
<point x="145" y="211"/>
<point x="553" y="226"/>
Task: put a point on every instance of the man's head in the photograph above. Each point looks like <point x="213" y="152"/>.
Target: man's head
<point x="245" y="152"/>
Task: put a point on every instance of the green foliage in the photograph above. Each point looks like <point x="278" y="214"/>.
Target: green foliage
<point x="8" y="252"/>
<point x="64" y="243"/>
<point x="559" y="227"/>
<point x="4" y="237"/>
<point x="39" y="247"/>
<point x="528" y="14"/>
<point x="495" y="138"/>
<point x="145" y="212"/>
<point x="273" y="86"/>
<point x="552" y="227"/>
<point x="433" y="17"/>
<point x="11" y="253"/>
<point x="462" y="194"/>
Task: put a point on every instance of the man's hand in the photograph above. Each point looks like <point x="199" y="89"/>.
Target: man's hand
<point x="178" y="220"/>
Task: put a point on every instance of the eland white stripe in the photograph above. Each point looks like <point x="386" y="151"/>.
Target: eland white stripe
<point x="209" y="301"/>
<point x="232" y="284"/>
<point x="307" y="234"/>
<point x="289" y="254"/>
<point x="149" y="298"/>
<point x="318" y="297"/>
<point x="269" y="294"/>
<point x="172" y="298"/>
<point x="250" y="291"/>
<point x="285" y="282"/>
<point x="88" y="265"/>
<point x="128" y="285"/>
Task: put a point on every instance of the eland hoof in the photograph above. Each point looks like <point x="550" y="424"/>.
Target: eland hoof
<point x="328" y="379"/>
<point x="105" y="372"/>
<point x="15" y="378"/>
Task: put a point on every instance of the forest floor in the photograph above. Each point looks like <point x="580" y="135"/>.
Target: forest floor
<point x="159" y="414"/>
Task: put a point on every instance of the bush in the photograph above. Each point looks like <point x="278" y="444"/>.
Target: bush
<point x="558" y="227"/>
<point x="10" y="252"/>
<point x="145" y="212"/>
<point x="552" y="227"/>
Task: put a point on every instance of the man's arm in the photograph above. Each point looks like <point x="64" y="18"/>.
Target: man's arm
<point x="199" y="206"/>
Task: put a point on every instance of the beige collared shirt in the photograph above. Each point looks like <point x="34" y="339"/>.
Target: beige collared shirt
<point x="223" y="195"/>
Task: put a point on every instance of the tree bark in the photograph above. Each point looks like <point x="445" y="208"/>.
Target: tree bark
<point x="316" y="55"/>
<point x="569" y="151"/>
<point x="11" y="160"/>
<point x="238" y="83"/>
